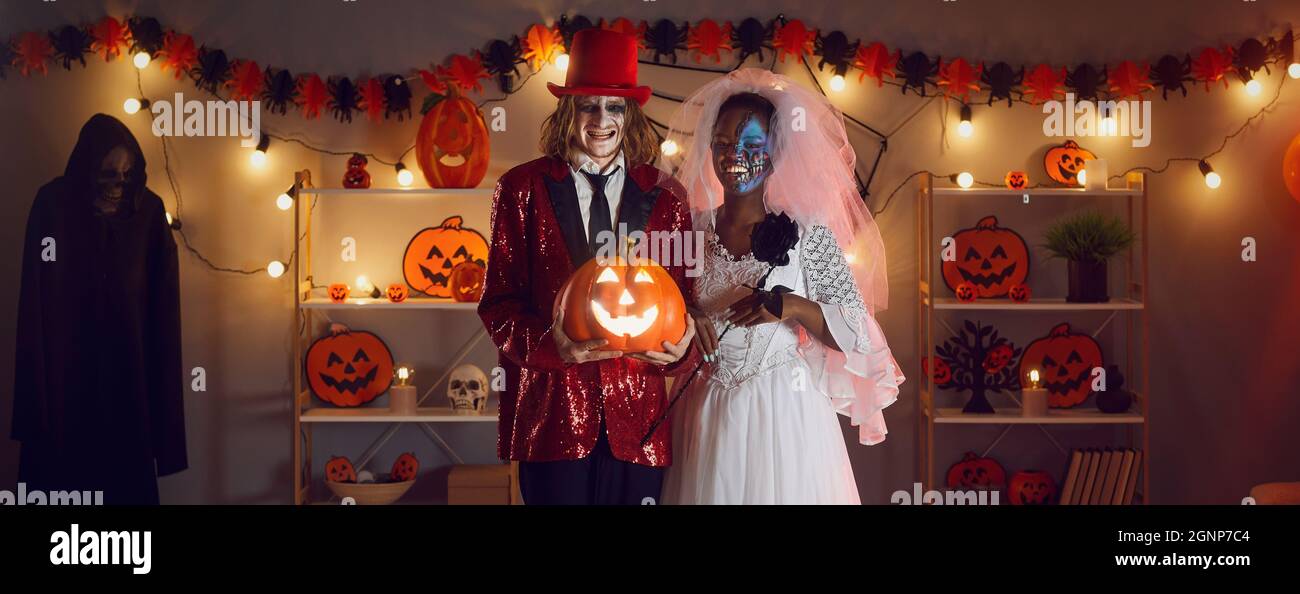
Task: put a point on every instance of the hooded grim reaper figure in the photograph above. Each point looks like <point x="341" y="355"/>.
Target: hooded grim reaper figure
<point x="98" y="387"/>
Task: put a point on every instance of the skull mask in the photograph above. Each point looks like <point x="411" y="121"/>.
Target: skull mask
<point x="467" y="389"/>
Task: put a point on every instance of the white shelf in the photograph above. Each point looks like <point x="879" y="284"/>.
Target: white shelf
<point x="1062" y="416"/>
<point x="429" y="414"/>
<point x="381" y="303"/>
<point x="391" y="191"/>
<point x="1036" y="192"/>
<point x="1037" y="304"/>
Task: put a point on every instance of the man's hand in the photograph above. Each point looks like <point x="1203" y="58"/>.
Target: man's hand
<point x="673" y="352"/>
<point x="578" y="352"/>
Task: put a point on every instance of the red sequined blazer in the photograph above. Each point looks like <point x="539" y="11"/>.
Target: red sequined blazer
<point x="551" y="410"/>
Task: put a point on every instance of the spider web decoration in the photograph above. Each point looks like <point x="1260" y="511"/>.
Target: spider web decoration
<point x="981" y="360"/>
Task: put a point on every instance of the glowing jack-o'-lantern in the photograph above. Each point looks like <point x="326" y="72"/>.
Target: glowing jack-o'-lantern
<point x="396" y="293"/>
<point x="1032" y="487"/>
<point x="435" y="251"/>
<point x="339" y="469"/>
<point x="1063" y="163"/>
<point x="452" y="144"/>
<point x="989" y="257"/>
<point x="636" y="306"/>
<point x="1066" y="361"/>
<point x="467" y="281"/>
<point x="338" y="292"/>
<point x="349" y="368"/>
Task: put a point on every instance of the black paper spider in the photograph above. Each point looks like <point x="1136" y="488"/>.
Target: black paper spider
<point x="751" y="37"/>
<point x="665" y="38"/>
<point x="6" y="58"/>
<point x="344" y="98"/>
<point x="502" y="59"/>
<point x="1086" y="82"/>
<point x="279" y="91"/>
<point x="917" y="72"/>
<point x="569" y="26"/>
<point x="1251" y="56"/>
<point x="835" y="49"/>
<point x="1171" y="74"/>
<point x="1001" y="81"/>
<point x="213" y="70"/>
<point x="1284" y="48"/>
<point x="146" y="35"/>
<point x="397" y="97"/>
<point x="70" y="45"/>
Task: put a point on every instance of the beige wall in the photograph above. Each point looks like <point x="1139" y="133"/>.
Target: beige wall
<point x="1225" y="374"/>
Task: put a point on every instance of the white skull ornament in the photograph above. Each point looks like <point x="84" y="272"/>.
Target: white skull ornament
<point x="467" y="389"/>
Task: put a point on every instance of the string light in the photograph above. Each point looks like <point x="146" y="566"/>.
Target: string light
<point x="141" y="60"/>
<point x="133" y="105"/>
<point x="285" y="200"/>
<point x="275" y="269"/>
<point x="837" y="83"/>
<point x="1293" y="70"/>
<point x="668" y="147"/>
<point x="404" y="176"/>
<point x="963" y="179"/>
<point x="1082" y="176"/>
<point x="562" y="62"/>
<point x="258" y="158"/>
<point x="965" y="129"/>
<point x="1254" y="88"/>
<point x="1212" y="179"/>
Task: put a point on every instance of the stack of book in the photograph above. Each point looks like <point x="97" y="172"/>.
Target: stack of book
<point x="1101" y="477"/>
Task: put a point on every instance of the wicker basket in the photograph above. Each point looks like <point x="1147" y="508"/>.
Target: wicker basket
<point x="370" y="493"/>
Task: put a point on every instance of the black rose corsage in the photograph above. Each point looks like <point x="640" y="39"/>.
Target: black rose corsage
<point x="771" y="242"/>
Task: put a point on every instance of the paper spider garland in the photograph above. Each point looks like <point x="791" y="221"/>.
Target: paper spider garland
<point x="502" y="60"/>
<point x="570" y="26"/>
<point x="397" y="97"/>
<point x="751" y="37"/>
<point x="31" y="52"/>
<point x="959" y="79"/>
<point x="708" y="39"/>
<point x="875" y="61"/>
<point x="627" y="27"/>
<point x="1171" y="74"/>
<point x="213" y="70"/>
<point x="1086" y="82"/>
<point x="6" y="58"/>
<point x="146" y="35"/>
<point x="1130" y="80"/>
<point x="1250" y="57"/>
<point x="70" y="45"/>
<point x="540" y="46"/>
<point x="835" y="50"/>
<point x="464" y="72"/>
<point x="665" y="38"/>
<point x="344" y="99"/>
<point x="1043" y="84"/>
<point x="311" y="95"/>
<point x="981" y="360"/>
<point x="109" y="38"/>
<point x="246" y="81"/>
<point x="279" y="90"/>
<point x="371" y="98"/>
<point x="917" y="71"/>
<point x="1001" y="81"/>
<point x="436" y="85"/>
<point x="178" y="54"/>
<point x="795" y="40"/>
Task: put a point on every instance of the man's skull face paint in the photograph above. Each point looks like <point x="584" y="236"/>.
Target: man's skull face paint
<point x="740" y="151"/>
<point x="114" y="172"/>
<point x="600" y="125"/>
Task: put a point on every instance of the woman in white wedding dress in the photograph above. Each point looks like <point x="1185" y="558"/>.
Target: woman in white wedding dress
<point x="759" y="425"/>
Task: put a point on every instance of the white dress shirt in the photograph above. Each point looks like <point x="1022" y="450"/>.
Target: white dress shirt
<point x="613" y="186"/>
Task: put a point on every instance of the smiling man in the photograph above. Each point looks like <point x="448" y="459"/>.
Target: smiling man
<point x="572" y="413"/>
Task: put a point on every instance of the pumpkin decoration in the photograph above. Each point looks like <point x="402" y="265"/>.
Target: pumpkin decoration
<point x="349" y="367"/>
<point x="942" y="371"/>
<point x="452" y="145"/>
<point x="404" y="468"/>
<point x="1019" y="293"/>
<point x="467" y="281"/>
<point x="1063" y="163"/>
<point x="991" y="258"/>
<point x="974" y="472"/>
<point x="356" y="177"/>
<point x="997" y="358"/>
<point x="339" y="469"/>
<point x="1065" y="360"/>
<point x="966" y="293"/>
<point x="635" y="305"/>
<point x="1016" y="180"/>
<point x="1032" y="487"/>
<point x="339" y="292"/>
<point x="396" y="293"/>
<point x="435" y="251"/>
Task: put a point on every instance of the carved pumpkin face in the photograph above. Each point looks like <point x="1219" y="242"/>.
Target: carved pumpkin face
<point x="1016" y="180"/>
<point x="452" y="144"/>
<point x="339" y="470"/>
<point x="989" y="257"/>
<point x="338" y="292"/>
<point x="966" y="292"/>
<point x="349" y="368"/>
<point x="404" y="468"/>
<point x="435" y="251"/>
<point x="1063" y="163"/>
<point x="997" y="358"/>
<point x="396" y="293"/>
<point x="974" y="472"/>
<point x="1064" y="361"/>
<point x="1019" y="293"/>
<point x="467" y="281"/>
<point x="1032" y="487"/>
<point x="356" y="176"/>
<point x="635" y="306"/>
<point x="942" y="372"/>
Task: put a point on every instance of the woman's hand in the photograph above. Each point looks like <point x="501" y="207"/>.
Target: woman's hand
<point x="706" y="337"/>
<point x="749" y="310"/>
<point x="672" y="352"/>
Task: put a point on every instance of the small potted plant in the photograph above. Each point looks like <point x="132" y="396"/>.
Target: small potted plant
<point x="1088" y="240"/>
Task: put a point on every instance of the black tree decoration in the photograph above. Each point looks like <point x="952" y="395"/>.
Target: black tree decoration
<point x="981" y="360"/>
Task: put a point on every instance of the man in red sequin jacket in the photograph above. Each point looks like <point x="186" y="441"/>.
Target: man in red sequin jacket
<point x="571" y="414"/>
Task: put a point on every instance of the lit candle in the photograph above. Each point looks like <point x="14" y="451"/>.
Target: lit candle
<point x="1095" y="172"/>
<point x="1033" y="400"/>
<point x="401" y="395"/>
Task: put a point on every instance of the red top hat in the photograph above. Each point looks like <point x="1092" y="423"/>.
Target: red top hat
<point x="602" y="63"/>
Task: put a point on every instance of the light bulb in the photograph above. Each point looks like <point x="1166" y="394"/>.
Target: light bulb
<point x="284" y="201"/>
<point x="131" y="106"/>
<point x="562" y="62"/>
<point x="363" y="284"/>
<point x="1082" y="176"/>
<point x="668" y="147"/>
<point x="404" y="176"/>
<point x="1293" y="70"/>
<point x="258" y="158"/>
<point x="169" y="218"/>
<point x="1212" y="179"/>
<point x="141" y="60"/>
<point x="965" y="179"/>
<point x="1109" y="126"/>
<point x="275" y="269"/>
<point x="837" y="83"/>
<point x="1254" y="88"/>
<point x="965" y="129"/>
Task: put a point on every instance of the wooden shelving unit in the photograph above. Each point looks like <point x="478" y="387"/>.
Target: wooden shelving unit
<point x="1129" y="303"/>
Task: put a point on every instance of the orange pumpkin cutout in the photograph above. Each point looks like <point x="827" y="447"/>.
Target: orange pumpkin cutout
<point x="339" y="470"/>
<point x="1020" y="293"/>
<point x="1064" y="361"/>
<point x="634" y="306"/>
<point x="435" y="251"/>
<point x="1032" y="487"/>
<point x="405" y="468"/>
<point x="396" y="293"/>
<point x="349" y="368"/>
<point x="338" y="292"/>
<point x="467" y="281"/>
<point x="974" y="472"/>
<point x="1016" y="180"/>
<point x="942" y="371"/>
<point x="452" y="145"/>
<point x="1063" y="163"/>
<point x="991" y="258"/>
<point x="966" y="293"/>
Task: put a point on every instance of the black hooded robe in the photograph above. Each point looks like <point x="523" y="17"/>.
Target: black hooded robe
<point x="98" y="383"/>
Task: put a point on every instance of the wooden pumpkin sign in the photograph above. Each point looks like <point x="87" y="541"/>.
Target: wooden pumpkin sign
<point x="1064" y="361"/>
<point x="467" y="281"/>
<point x="989" y="257"/>
<point x="452" y="144"/>
<point x="1032" y="487"/>
<point x="339" y="470"/>
<point x="635" y="306"/>
<point x="404" y="468"/>
<point x="349" y="368"/>
<point x="974" y="472"/>
<point x="396" y="293"/>
<point x="435" y="251"/>
<point x="1063" y="163"/>
<point x="339" y="292"/>
<point x="1016" y="180"/>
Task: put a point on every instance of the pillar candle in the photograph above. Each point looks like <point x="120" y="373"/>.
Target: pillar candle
<point x="401" y="400"/>
<point x="1097" y="174"/>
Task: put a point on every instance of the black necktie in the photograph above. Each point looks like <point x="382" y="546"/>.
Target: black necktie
<point x="599" y="218"/>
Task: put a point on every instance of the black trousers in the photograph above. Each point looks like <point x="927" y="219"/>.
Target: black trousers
<point x="598" y="479"/>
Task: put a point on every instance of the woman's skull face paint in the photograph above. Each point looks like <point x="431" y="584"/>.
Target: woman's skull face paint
<point x="600" y="125"/>
<point x="740" y="153"/>
<point x="113" y="173"/>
